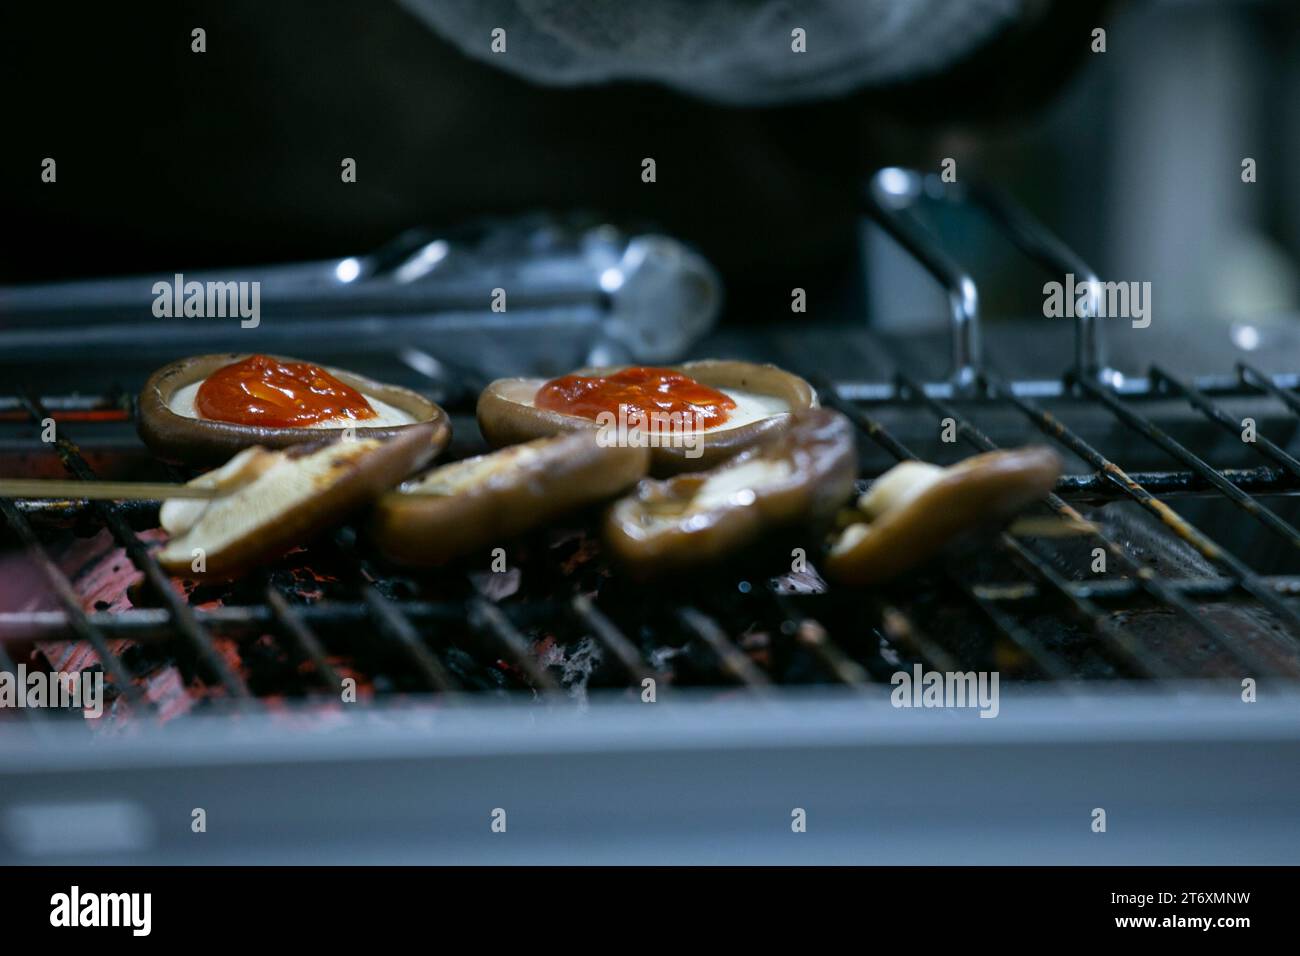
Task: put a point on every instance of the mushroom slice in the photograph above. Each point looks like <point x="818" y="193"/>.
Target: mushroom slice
<point x="280" y="498"/>
<point x="178" y="515"/>
<point x="765" y="398"/>
<point x="479" y="502"/>
<point x="914" y="509"/>
<point x="794" y="479"/>
<point x="171" y="425"/>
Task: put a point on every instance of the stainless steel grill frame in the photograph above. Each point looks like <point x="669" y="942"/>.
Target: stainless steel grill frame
<point x="1195" y="773"/>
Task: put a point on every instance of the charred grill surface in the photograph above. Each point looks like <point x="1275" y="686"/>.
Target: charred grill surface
<point x="1197" y="577"/>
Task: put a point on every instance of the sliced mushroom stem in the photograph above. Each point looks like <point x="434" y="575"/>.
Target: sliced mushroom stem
<point x="282" y="498"/>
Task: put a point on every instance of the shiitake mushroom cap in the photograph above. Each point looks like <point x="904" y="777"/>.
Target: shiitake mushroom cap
<point x="506" y="417"/>
<point x="980" y="491"/>
<point x="819" y="446"/>
<point x="200" y="441"/>
<point x="523" y="486"/>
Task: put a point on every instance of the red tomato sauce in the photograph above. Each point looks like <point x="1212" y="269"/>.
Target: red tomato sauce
<point x="642" y="390"/>
<point x="261" y="390"/>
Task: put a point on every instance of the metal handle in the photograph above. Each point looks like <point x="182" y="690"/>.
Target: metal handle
<point x="893" y="194"/>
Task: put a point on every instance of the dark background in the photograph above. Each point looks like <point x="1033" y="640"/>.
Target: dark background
<point x="171" y="160"/>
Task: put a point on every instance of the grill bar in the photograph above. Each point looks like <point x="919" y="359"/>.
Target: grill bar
<point x="1173" y="484"/>
<point x="399" y="628"/>
<point x="612" y="639"/>
<point x="200" y="643"/>
<point x="734" y="661"/>
<point x="154" y="624"/>
<point x="1250" y="582"/>
<point x="78" y="623"/>
<point x="811" y="634"/>
<point x="394" y="623"/>
<point x="1215" y="413"/>
<point x="1254" y="379"/>
<point x="1153" y="433"/>
<point x="1136" y="388"/>
<point x="491" y="621"/>
<point x="900" y="631"/>
<point x="303" y="636"/>
<point x="151" y="625"/>
<point x="1049" y="661"/>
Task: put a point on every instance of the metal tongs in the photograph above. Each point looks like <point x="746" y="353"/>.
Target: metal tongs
<point x="500" y="296"/>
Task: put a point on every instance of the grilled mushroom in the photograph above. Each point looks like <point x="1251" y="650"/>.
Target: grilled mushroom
<point x="476" y="503"/>
<point x="794" y="479"/>
<point x="172" y="427"/>
<point x="915" y="508"/>
<point x="278" y="499"/>
<point x="765" y="397"/>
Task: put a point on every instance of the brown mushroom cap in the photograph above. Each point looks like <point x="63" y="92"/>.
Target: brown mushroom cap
<point x="795" y="478"/>
<point x="506" y="417"/>
<point x="983" y="489"/>
<point x="480" y="502"/>
<point x="201" y="441"/>
<point x="311" y="488"/>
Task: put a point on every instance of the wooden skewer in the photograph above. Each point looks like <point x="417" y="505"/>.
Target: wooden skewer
<point x="1033" y="526"/>
<point x="61" y="488"/>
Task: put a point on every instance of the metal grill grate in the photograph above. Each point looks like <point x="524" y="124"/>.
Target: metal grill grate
<point x="848" y="638"/>
<point x="1026" y="607"/>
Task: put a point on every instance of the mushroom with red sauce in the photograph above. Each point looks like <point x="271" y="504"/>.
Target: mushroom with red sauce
<point x="204" y="409"/>
<point x="692" y="416"/>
